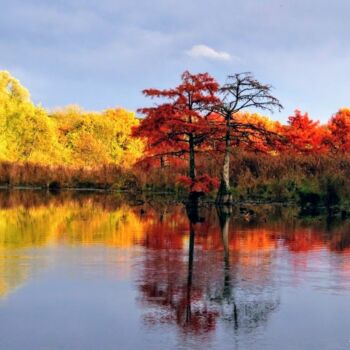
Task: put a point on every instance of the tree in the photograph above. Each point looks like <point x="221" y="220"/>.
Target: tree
<point x="179" y="124"/>
<point x="304" y="135"/>
<point x="31" y="136"/>
<point x="69" y="136"/>
<point x="27" y="134"/>
<point x="240" y="92"/>
<point x="11" y="91"/>
<point x="338" y="139"/>
<point x="92" y="138"/>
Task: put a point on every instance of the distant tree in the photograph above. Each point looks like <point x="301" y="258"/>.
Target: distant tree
<point x="179" y="125"/>
<point x="338" y="139"/>
<point x="11" y="91"/>
<point x="69" y="136"/>
<point x="304" y="135"/>
<point x="241" y="91"/>
<point x="26" y="132"/>
<point x="94" y="138"/>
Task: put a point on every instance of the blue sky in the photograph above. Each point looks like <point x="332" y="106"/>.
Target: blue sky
<point x="101" y="54"/>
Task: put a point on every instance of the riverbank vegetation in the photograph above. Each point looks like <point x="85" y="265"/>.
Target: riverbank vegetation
<point x="180" y="145"/>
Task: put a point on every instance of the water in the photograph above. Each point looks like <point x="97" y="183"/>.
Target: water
<point x="103" y="272"/>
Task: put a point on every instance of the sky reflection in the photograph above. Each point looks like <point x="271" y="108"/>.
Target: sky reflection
<point x="78" y="268"/>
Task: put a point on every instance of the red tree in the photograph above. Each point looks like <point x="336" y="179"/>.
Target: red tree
<point x="339" y="131"/>
<point x="304" y="135"/>
<point x="179" y="124"/>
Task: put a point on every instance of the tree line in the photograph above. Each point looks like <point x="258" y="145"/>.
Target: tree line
<point x="66" y="136"/>
<point x="201" y="116"/>
<point x="199" y="135"/>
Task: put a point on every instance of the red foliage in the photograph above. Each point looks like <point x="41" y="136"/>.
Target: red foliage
<point x="179" y="125"/>
<point x="184" y="112"/>
<point x="339" y="131"/>
<point x="203" y="183"/>
<point x="182" y="131"/>
<point x="304" y="135"/>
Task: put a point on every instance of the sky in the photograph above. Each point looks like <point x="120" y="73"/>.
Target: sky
<point x="102" y="54"/>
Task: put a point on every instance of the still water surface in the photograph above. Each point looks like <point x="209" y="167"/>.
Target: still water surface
<point x="81" y="272"/>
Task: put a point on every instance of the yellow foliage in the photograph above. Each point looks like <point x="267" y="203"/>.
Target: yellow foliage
<point x="11" y="91"/>
<point x="69" y="223"/>
<point x="69" y="136"/>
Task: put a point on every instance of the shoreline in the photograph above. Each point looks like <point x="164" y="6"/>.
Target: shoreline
<point x="180" y="199"/>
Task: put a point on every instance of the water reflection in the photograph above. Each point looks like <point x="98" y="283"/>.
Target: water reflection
<point x="197" y="271"/>
<point x="207" y="285"/>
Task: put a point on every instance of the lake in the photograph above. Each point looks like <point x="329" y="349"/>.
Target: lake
<point x="97" y="271"/>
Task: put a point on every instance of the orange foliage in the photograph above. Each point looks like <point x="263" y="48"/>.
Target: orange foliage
<point x="304" y="135"/>
<point x="339" y="131"/>
<point x="202" y="184"/>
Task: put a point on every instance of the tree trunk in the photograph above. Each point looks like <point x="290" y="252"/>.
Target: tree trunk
<point x="190" y="273"/>
<point x="224" y="214"/>
<point x="224" y="195"/>
<point x="192" y="209"/>
<point x="192" y="163"/>
<point x="193" y="196"/>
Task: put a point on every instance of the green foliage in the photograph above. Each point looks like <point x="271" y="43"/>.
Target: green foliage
<point x="332" y="188"/>
<point x="310" y="197"/>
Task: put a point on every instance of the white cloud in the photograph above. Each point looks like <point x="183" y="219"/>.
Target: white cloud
<point x="204" y="51"/>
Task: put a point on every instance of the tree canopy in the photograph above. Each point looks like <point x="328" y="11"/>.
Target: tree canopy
<point x="68" y="136"/>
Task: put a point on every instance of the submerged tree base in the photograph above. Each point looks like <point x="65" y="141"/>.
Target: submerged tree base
<point x="224" y="198"/>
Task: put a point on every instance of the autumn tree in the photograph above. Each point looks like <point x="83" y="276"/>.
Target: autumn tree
<point x="178" y="125"/>
<point x="68" y="136"/>
<point x="257" y="133"/>
<point x="27" y="134"/>
<point x="304" y="135"/>
<point x="338" y="126"/>
<point x="241" y="91"/>
<point x="94" y="138"/>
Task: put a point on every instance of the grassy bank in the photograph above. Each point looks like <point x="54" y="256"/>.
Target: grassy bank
<point x="31" y="175"/>
<point x="310" y="181"/>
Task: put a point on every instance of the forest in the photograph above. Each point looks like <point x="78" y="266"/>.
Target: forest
<point x="197" y="138"/>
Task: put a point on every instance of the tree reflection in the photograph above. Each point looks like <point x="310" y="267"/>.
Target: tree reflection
<point x="244" y="304"/>
<point x="202" y="318"/>
<point x="224" y="214"/>
<point x="168" y="284"/>
<point x="190" y="293"/>
<point x="195" y="273"/>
